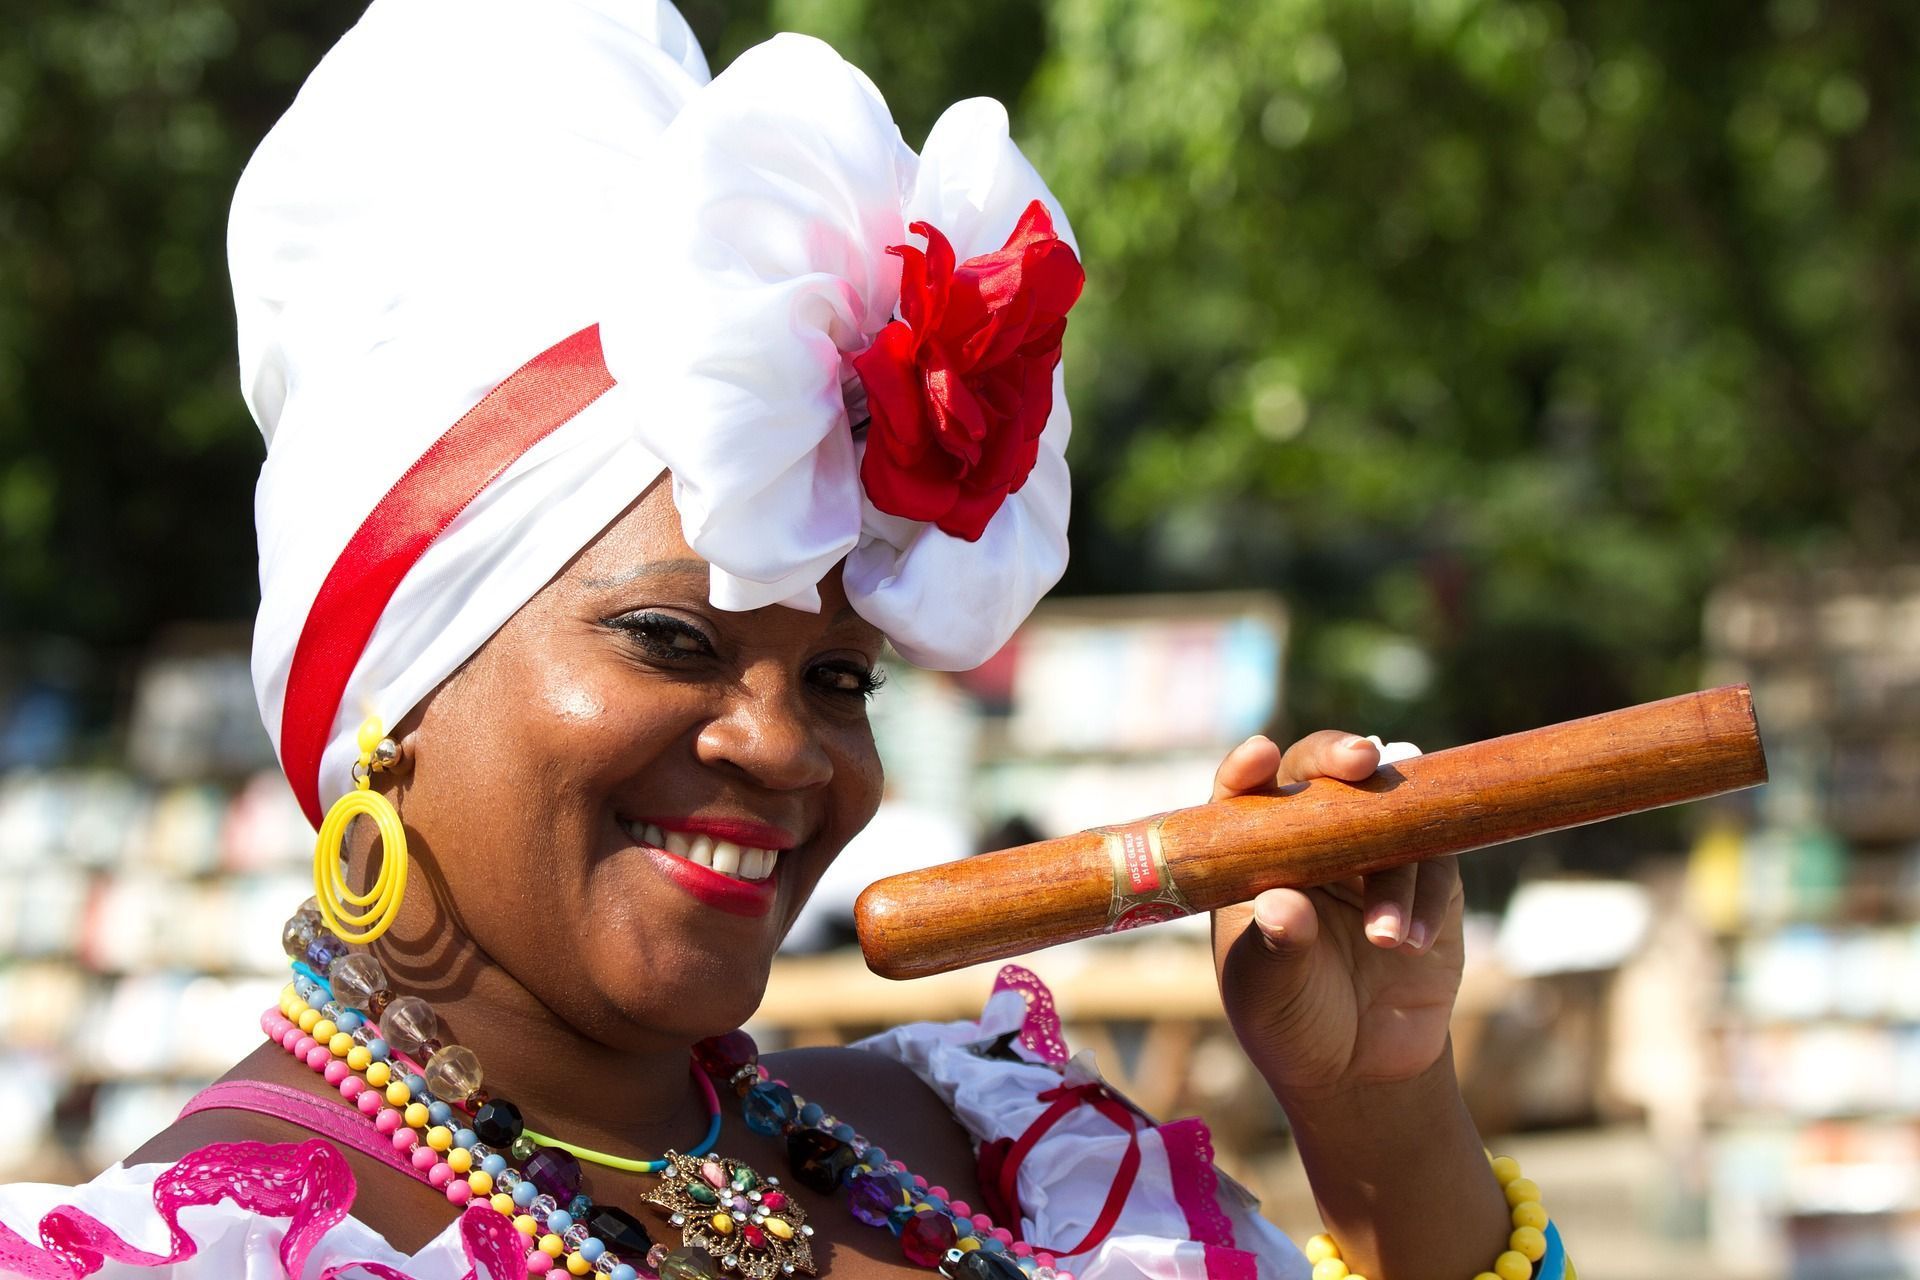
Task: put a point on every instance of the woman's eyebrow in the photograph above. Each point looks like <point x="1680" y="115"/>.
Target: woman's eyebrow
<point x="689" y="568"/>
<point x="683" y="568"/>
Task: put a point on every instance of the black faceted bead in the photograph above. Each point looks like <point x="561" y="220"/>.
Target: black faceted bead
<point x="620" y="1231"/>
<point x="978" y="1264"/>
<point x="819" y="1160"/>
<point x="497" y="1123"/>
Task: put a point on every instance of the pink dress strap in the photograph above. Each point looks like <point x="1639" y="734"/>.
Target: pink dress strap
<point x="304" y="1109"/>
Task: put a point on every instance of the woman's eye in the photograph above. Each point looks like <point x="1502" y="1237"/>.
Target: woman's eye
<point x="665" y="636"/>
<point x="849" y="679"/>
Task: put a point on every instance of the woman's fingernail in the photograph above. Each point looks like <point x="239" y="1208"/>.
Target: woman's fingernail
<point x="1417" y="935"/>
<point x="1385" y="927"/>
<point x="1354" y="740"/>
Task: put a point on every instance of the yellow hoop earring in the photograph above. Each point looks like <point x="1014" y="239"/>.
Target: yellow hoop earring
<point x="381" y="903"/>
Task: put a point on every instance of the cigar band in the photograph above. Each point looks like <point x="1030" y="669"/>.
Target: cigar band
<point x="1143" y="887"/>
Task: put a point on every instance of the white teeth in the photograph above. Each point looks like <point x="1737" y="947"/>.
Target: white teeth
<point x="724" y="856"/>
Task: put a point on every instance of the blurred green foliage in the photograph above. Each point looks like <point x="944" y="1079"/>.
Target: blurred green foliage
<point x="1494" y="332"/>
<point x="126" y="459"/>
<point x="1490" y="332"/>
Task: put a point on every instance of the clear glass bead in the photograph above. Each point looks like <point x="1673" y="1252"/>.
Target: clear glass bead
<point x="296" y="936"/>
<point x="408" y="1023"/>
<point x="574" y="1236"/>
<point x="506" y="1180"/>
<point x="324" y="950"/>
<point x="332" y="1010"/>
<point x="366" y="1033"/>
<point x="453" y="1072"/>
<point x="355" y="977"/>
<point x="309" y="990"/>
<point x="480" y="1152"/>
<point x="542" y="1206"/>
<point x="604" y="1264"/>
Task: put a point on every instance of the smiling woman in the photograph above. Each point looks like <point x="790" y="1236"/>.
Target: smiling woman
<point x="616" y="417"/>
<point x="627" y="794"/>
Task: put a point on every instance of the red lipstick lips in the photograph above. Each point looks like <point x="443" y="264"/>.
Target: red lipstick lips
<point x="722" y="892"/>
<point x="736" y="897"/>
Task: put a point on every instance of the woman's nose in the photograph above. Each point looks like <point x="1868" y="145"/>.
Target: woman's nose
<point x="765" y="731"/>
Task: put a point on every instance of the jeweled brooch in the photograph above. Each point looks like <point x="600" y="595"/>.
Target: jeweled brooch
<point x="748" y="1224"/>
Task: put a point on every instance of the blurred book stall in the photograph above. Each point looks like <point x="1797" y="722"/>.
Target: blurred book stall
<point x="1096" y="711"/>
<point x="139" y="903"/>
<point x="1811" y="1102"/>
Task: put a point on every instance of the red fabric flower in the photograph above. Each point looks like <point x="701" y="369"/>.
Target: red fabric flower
<point x="960" y="386"/>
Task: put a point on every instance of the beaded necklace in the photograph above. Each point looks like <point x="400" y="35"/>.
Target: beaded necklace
<point x="349" y="1027"/>
<point x="311" y="986"/>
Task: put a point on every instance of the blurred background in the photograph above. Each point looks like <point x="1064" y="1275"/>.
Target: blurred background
<point x="1447" y="367"/>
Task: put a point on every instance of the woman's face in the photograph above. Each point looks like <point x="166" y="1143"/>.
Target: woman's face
<point x="628" y="794"/>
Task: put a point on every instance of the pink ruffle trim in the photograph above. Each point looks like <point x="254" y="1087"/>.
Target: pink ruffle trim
<point x="1230" y="1264"/>
<point x="308" y="1183"/>
<point x="1040" y="1031"/>
<point x="1196" y="1188"/>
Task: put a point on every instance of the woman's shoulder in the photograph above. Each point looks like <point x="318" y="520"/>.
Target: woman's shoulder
<point x="886" y="1102"/>
<point x="258" y="1101"/>
<point x="830" y="1069"/>
<point x="200" y="1128"/>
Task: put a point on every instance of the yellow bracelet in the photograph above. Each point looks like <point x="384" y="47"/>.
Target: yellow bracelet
<point x="1525" y="1246"/>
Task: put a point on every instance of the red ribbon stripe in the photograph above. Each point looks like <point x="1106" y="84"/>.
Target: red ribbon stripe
<point x="536" y="399"/>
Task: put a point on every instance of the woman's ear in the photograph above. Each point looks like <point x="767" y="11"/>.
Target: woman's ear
<point x="391" y="778"/>
<point x="409" y="744"/>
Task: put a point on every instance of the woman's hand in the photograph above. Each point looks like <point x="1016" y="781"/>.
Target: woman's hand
<point x="1341" y="996"/>
<point x="1344" y="985"/>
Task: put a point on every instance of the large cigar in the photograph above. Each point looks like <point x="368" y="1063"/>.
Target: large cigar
<point x="1174" y="864"/>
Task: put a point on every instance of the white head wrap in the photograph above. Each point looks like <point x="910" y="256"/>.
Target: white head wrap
<point x="461" y="185"/>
